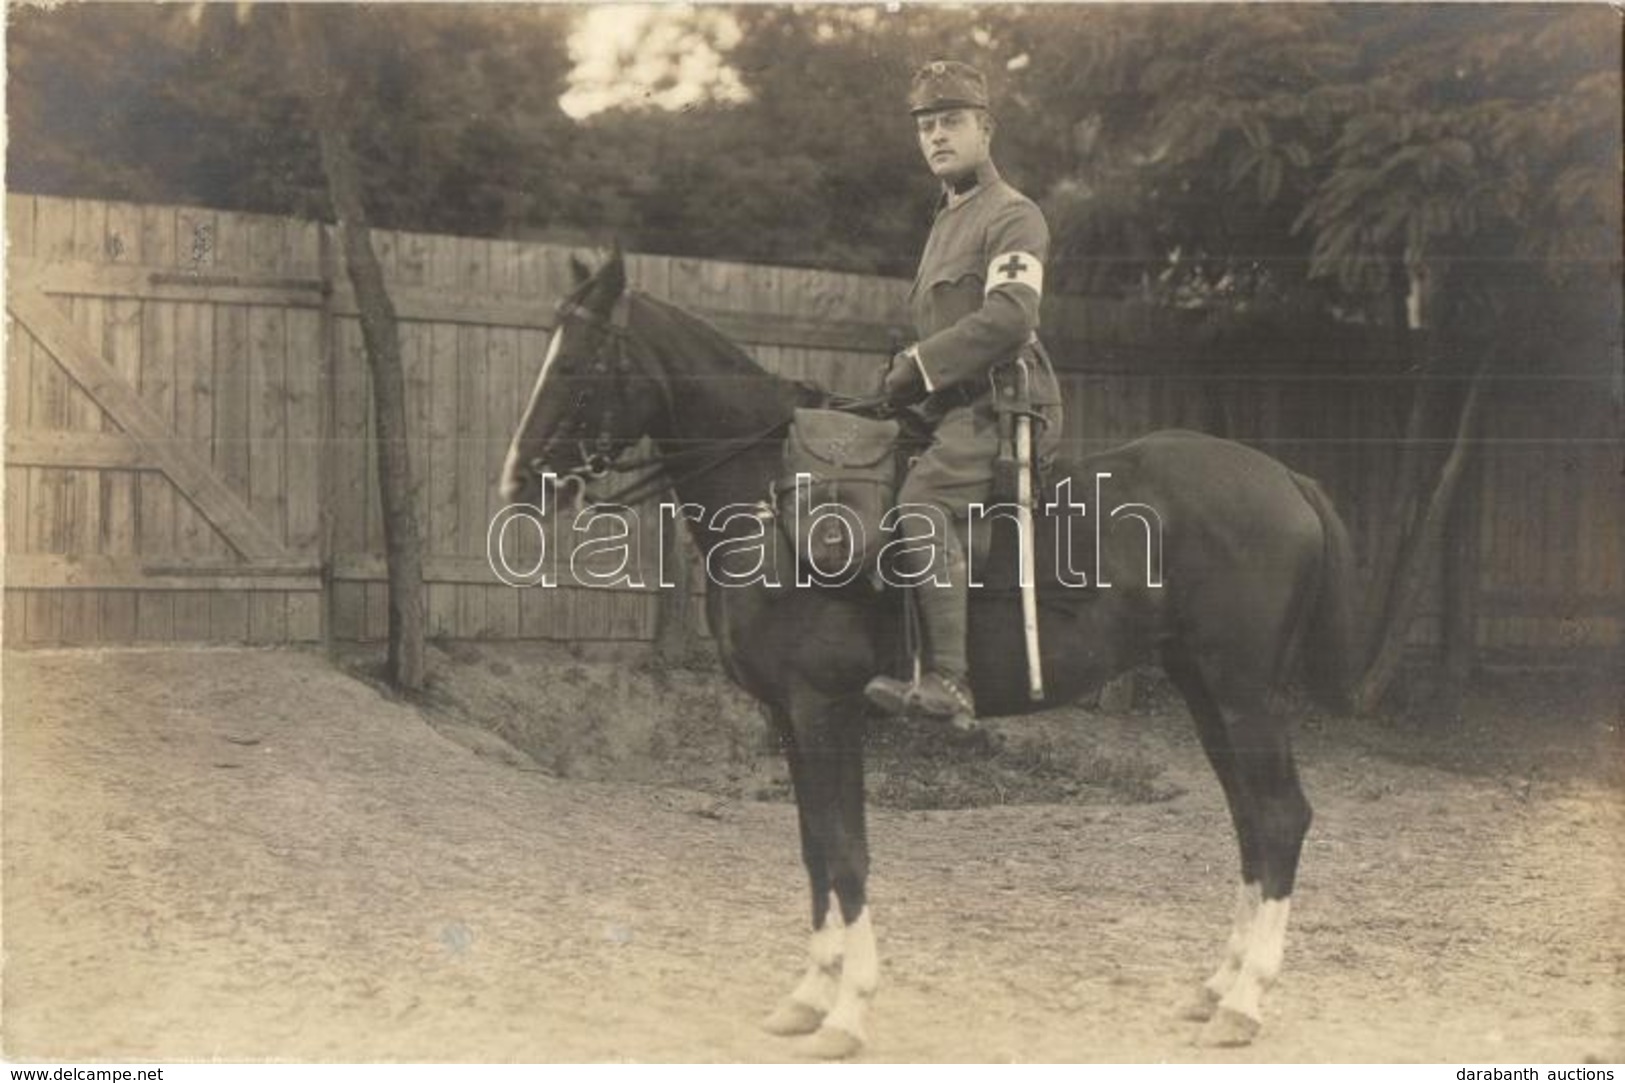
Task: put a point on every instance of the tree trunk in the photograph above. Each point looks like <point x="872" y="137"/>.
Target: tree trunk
<point x="1411" y="574"/>
<point x="1460" y="630"/>
<point x="381" y="337"/>
<point x="1416" y="340"/>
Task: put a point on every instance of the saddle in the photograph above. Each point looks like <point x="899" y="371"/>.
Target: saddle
<point x="842" y="473"/>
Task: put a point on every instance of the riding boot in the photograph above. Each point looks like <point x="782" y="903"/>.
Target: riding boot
<point x="944" y="692"/>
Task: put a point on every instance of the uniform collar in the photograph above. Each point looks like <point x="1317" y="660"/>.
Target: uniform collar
<point x="987" y="174"/>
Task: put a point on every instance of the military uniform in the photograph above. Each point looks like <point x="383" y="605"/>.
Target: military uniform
<point x="975" y="308"/>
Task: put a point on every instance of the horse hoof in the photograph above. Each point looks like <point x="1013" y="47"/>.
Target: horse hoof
<point x="831" y="1043"/>
<point x="792" y="1017"/>
<point x="1199" y="1008"/>
<point x="1229" y="1028"/>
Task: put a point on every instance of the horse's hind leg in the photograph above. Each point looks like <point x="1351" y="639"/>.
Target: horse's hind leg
<point x="1215" y="737"/>
<point x="1281" y="815"/>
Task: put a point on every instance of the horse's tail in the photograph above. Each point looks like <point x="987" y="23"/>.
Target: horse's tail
<point x="1329" y="646"/>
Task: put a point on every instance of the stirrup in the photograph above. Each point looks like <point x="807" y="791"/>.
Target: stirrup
<point x="945" y="700"/>
<point x="891" y="695"/>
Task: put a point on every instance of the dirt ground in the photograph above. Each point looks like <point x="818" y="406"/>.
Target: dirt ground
<point x="253" y="854"/>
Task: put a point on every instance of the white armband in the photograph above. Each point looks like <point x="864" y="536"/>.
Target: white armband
<point x="1015" y="269"/>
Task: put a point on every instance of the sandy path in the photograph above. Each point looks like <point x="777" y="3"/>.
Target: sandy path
<point x="246" y="854"/>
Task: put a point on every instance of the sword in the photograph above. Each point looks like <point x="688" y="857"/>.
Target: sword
<point x="1024" y="521"/>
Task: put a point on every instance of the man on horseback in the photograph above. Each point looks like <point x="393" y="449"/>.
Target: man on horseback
<point x="975" y="307"/>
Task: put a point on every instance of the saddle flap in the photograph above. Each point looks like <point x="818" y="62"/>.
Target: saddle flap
<point x="831" y="441"/>
<point x="833" y="520"/>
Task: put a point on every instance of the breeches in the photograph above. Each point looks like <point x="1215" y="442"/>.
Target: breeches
<point x="956" y="471"/>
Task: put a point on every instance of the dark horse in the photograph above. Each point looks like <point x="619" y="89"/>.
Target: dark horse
<point x="1254" y="569"/>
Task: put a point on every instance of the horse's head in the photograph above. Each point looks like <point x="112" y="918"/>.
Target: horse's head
<point x="593" y="398"/>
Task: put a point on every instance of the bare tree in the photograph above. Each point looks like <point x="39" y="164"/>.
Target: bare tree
<point x="322" y="91"/>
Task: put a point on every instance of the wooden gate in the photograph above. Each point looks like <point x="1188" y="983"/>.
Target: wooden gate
<point x="163" y="428"/>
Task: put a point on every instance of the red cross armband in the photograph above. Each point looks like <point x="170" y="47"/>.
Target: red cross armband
<point x="1015" y="269"/>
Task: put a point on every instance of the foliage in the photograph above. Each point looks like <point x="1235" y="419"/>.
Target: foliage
<point x="453" y="111"/>
<point x="1230" y="155"/>
<point x="1490" y="142"/>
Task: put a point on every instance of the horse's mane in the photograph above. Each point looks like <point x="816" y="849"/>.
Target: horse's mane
<point x="731" y="355"/>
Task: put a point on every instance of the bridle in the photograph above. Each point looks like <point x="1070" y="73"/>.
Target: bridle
<point x="612" y="363"/>
<point x="614" y="360"/>
<point x="602" y="452"/>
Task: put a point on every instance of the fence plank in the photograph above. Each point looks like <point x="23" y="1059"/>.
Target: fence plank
<point x="502" y="408"/>
<point x="265" y="245"/>
<point x="443" y="477"/>
<point x="156" y="528"/>
<point x="231" y="240"/>
<point x="196" y="233"/>
<point x="117" y="616"/>
<point x="348" y="608"/>
<point x="472" y="366"/>
<point x="349" y="480"/>
<point x="191" y="618"/>
<point x="268" y="617"/>
<point x="302" y="445"/>
<point x="228" y="616"/>
<point x="41" y="571"/>
<point x="19" y="225"/>
<point x="90" y="230"/>
<point x="44" y="617"/>
<point x="19" y="375"/>
<point x="81" y="618"/>
<point x="53" y="229"/>
<point x="119" y="488"/>
<point x="304" y="616"/>
<point x="267" y="414"/>
<point x="232" y="369"/>
<point x="17" y="509"/>
<point x="155" y="616"/>
<point x="158" y="231"/>
<point x="124" y="234"/>
<point x="194" y="421"/>
<point x="84" y="494"/>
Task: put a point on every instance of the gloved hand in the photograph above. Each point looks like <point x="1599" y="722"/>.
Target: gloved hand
<point x="903" y="384"/>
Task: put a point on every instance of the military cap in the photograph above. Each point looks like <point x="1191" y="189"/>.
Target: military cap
<point x="947" y="84"/>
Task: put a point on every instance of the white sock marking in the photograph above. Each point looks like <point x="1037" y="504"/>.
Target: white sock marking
<point x="860" y="975"/>
<point x="817" y="986"/>
<point x="1248" y="898"/>
<point x="1262" y="963"/>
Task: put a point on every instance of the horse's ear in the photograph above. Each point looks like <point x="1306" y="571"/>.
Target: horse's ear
<point x="578" y="270"/>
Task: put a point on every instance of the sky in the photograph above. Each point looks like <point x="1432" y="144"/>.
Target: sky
<point x="670" y="53"/>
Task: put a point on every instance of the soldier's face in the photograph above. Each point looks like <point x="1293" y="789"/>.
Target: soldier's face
<point x="954" y="141"/>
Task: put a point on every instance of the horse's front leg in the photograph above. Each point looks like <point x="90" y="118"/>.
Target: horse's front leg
<point x="803" y="1011"/>
<point x="825" y="747"/>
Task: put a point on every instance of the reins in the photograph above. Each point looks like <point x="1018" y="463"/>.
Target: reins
<point x="616" y="329"/>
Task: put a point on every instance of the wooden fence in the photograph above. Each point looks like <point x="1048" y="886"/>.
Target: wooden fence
<point x="188" y="430"/>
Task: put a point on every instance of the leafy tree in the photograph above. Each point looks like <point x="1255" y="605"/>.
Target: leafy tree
<point x="453" y="110"/>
